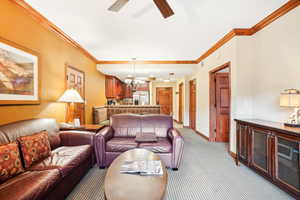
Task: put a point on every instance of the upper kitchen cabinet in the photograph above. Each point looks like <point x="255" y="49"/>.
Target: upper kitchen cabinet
<point x="114" y="88"/>
<point x="128" y="93"/>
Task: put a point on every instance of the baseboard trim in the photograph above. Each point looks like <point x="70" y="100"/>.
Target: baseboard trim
<point x="186" y="127"/>
<point x="202" y="135"/>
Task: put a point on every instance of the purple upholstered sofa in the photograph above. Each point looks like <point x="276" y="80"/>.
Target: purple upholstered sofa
<point x="119" y="137"/>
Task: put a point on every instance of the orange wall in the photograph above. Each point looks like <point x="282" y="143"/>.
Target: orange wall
<point x="17" y="26"/>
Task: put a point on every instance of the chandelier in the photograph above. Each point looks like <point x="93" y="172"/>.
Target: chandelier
<point x="132" y="80"/>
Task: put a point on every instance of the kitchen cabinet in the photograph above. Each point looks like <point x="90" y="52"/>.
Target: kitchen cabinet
<point x="128" y="93"/>
<point x="113" y="88"/>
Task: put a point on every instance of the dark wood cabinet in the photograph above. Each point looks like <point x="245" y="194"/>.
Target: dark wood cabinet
<point x="243" y="139"/>
<point x="128" y="91"/>
<point x="114" y="88"/>
<point x="287" y="171"/>
<point x="271" y="150"/>
<point x="260" y="152"/>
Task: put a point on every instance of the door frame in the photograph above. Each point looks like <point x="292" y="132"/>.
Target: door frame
<point x="156" y="97"/>
<point x="193" y="81"/>
<point x="180" y="104"/>
<point x="212" y="102"/>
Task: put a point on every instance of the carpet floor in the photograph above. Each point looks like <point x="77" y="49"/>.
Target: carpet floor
<point x="207" y="172"/>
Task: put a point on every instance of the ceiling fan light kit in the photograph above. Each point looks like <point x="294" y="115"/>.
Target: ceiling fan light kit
<point x="162" y="5"/>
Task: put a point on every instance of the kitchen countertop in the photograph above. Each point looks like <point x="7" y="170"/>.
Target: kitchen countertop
<point x="111" y="106"/>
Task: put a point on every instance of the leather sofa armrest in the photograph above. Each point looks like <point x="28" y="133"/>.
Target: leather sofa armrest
<point x="101" y="138"/>
<point x="75" y="138"/>
<point x="106" y="133"/>
<point x="177" y="145"/>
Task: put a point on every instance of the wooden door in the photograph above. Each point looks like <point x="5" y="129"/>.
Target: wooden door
<point x="222" y="107"/>
<point x="75" y="79"/>
<point x="164" y="98"/>
<point x="180" y="109"/>
<point x="193" y="104"/>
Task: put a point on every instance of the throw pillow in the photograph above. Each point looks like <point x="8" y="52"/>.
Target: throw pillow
<point x="34" y="147"/>
<point x="10" y="161"/>
<point x="146" y="137"/>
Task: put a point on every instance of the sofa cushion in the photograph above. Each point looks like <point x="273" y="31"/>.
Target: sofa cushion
<point x="146" y="137"/>
<point x="29" y="185"/>
<point x="120" y="144"/>
<point x="34" y="147"/>
<point x="163" y="145"/>
<point x="64" y="159"/>
<point x="126" y="125"/>
<point x="10" y="161"/>
<point x="159" y="124"/>
<point x="14" y="130"/>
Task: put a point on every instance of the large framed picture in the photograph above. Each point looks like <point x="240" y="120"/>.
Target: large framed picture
<point x="19" y="75"/>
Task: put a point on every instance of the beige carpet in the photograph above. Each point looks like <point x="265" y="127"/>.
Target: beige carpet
<point x="207" y="172"/>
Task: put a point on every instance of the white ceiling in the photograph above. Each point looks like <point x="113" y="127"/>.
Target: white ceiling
<point x="160" y="71"/>
<point x="140" y="31"/>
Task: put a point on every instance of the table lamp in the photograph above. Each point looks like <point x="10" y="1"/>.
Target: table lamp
<point x="70" y="97"/>
<point x="291" y="98"/>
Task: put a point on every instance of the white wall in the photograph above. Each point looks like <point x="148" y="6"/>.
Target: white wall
<point x="185" y="102"/>
<point x="226" y="53"/>
<point x="277" y="52"/>
<point x="262" y="66"/>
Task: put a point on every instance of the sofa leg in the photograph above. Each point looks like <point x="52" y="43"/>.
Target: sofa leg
<point x="175" y="169"/>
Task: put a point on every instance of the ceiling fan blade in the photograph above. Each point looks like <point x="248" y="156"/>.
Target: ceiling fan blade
<point x="164" y="8"/>
<point x="118" y="5"/>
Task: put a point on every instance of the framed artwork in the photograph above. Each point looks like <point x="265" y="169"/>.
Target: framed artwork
<point x="19" y="75"/>
<point x="75" y="79"/>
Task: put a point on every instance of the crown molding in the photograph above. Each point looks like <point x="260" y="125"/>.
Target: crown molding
<point x="290" y="5"/>
<point x="50" y="26"/>
<point x="147" y="62"/>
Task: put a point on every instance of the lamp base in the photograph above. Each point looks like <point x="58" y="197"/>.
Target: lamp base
<point x="292" y="125"/>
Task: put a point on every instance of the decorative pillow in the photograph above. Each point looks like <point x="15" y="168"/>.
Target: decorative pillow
<point x="145" y="137"/>
<point x="34" y="147"/>
<point x="10" y="161"/>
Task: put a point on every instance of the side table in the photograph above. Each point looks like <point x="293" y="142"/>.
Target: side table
<point x="85" y="127"/>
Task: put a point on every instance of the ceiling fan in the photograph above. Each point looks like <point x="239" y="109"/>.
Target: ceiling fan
<point x="162" y="5"/>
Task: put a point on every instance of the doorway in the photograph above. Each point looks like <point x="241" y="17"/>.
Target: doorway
<point x="180" y="109"/>
<point x="164" y="98"/>
<point x="220" y="104"/>
<point x="193" y="104"/>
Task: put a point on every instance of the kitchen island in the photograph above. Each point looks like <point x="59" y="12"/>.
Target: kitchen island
<point x="103" y="113"/>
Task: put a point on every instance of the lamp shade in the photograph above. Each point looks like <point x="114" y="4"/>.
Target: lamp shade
<point x="290" y="98"/>
<point x="71" y="96"/>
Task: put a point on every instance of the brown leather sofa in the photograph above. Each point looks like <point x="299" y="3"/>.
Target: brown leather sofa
<point x="55" y="176"/>
<point x="120" y="137"/>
